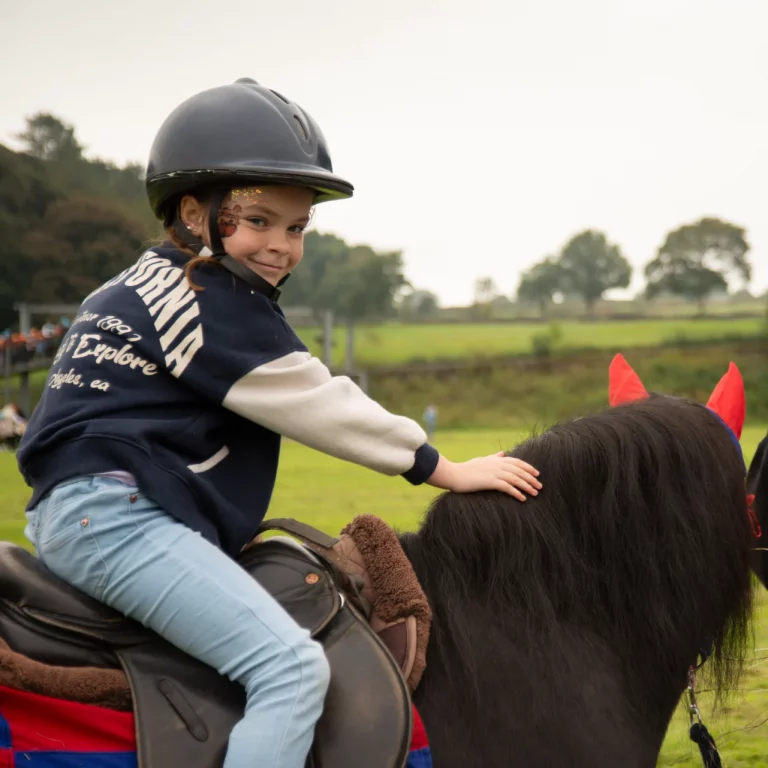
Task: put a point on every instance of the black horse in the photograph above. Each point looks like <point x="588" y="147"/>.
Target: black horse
<point x="564" y="628"/>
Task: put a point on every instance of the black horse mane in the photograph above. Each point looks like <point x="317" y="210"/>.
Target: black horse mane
<point x="634" y="556"/>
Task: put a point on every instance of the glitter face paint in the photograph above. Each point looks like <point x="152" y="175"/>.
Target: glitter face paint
<point x="250" y="195"/>
<point x="229" y="217"/>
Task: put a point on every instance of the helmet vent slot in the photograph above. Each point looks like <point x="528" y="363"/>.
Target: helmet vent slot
<point x="300" y="126"/>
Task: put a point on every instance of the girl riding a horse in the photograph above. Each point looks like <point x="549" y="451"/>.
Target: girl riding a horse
<point x="154" y="450"/>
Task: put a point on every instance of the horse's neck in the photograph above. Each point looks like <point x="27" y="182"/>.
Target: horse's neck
<point x="522" y="711"/>
<point x="562" y="700"/>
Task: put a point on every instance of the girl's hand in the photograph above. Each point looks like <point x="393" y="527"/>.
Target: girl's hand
<point x="488" y="473"/>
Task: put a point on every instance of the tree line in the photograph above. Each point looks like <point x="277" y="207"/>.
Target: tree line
<point x="68" y="223"/>
<point x="694" y="261"/>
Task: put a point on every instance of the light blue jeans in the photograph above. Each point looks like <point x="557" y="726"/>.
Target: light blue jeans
<point x="105" y="538"/>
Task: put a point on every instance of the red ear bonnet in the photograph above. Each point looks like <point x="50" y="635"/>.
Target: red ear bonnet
<point x="728" y="400"/>
<point x="624" y="384"/>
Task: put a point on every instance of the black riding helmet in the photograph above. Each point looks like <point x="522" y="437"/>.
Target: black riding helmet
<point x="241" y="134"/>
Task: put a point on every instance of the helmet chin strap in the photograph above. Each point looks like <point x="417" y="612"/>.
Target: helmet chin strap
<point x="217" y="251"/>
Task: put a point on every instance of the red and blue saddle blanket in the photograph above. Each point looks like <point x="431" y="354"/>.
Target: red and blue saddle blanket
<point x="420" y="756"/>
<point x="40" y="732"/>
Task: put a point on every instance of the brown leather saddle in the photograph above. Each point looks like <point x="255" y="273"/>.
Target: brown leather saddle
<point x="184" y="710"/>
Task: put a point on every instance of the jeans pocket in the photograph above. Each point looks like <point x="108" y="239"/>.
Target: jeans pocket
<point x="59" y="531"/>
<point x="58" y="520"/>
<point x="69" y="547"/>
<point x="73" y="554"/>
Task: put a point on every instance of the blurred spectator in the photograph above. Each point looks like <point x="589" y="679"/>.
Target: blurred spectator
<point x="12" y="426"/>
<point x="430" y="421"/>
<point x="38" y="343"/>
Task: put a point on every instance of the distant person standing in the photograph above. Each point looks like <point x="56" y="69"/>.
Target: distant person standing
<point x="430" y="420"/>
<point x="14" y="414"/>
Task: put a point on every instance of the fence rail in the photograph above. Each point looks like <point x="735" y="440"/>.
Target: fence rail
<point x="22" y="368"/>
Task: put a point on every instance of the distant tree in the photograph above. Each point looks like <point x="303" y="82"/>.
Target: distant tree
<point x="502" y="303"/>
<point x="418" y="304"/>
<point x="104" y="180"/>
<point x="697" y="260"/>
<point x="590" y="266"/>
<point x="743" y="295"/>
<point x="365" y="285"/>
<point x="485" y="290"/>
<point x="540" y="283"/>
<point x="67" y="223"/>
<point x="361" y="288"/>
<point x="354" y="282"/>
<point x="26" y="193"/>
<point x="485" y="293"/>
<point x="78" y="245"/>
<point x="47" y="137"/>
<point x="322" y="254"/>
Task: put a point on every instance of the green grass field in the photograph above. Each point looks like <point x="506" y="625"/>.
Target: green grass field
<point x="328" y="493"/>
<point x="394" y="344"/>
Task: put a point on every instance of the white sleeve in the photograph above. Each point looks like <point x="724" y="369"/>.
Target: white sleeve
<point x="297" y="396"/>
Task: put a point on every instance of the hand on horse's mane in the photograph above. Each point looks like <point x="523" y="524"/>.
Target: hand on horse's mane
<point x="487" y="473"/>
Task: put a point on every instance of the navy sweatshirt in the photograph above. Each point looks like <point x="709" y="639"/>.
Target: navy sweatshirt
<point x="189" y="392"/>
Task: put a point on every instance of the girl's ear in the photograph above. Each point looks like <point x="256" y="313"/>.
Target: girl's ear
<point x="193" y="214"/>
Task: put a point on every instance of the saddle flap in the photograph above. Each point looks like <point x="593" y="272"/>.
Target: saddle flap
<point x="297" y="579"/>
<point x="367" y="719"/>
<point x="184" y="710"/>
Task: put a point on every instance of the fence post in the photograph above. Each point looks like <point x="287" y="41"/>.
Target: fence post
<point x="328" y="337"/>
<point x="25" y="319"/>
<point x="24" y="394"/>
<point x="349" y="361"/>
<point x="7" y="371"/>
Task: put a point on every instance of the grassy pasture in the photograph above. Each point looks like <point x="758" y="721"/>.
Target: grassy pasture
<point x="396" y="344"/>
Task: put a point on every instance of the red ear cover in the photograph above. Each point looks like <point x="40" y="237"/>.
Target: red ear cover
<point x="624" y="385"/>
<point x="728" y="400"/>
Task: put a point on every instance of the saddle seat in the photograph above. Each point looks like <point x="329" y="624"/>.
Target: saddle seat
<point x="27" y="583"/>
<point x="183" y="709"/>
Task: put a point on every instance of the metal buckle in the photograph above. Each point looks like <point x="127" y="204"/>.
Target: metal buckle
<point x="693" y="708"/>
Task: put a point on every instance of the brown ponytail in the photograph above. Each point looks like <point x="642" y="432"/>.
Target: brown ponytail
<point x="194" y="259"/>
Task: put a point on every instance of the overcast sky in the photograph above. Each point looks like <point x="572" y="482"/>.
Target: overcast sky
<point x="479" y="135"/>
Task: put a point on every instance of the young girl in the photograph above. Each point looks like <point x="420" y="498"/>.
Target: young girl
<point x="153" y="452"/>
